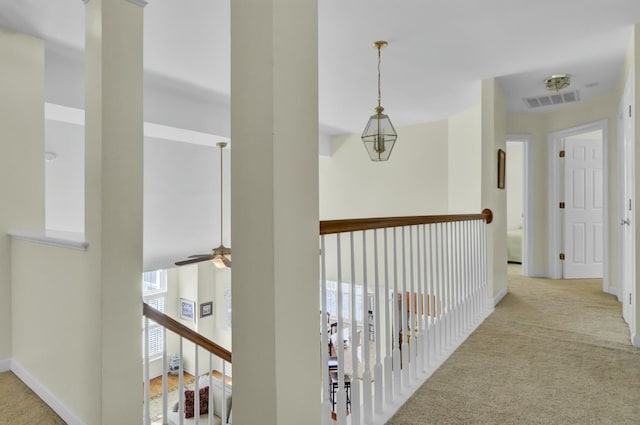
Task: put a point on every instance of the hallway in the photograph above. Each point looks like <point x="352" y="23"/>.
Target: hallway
<point x="553" y="352"/>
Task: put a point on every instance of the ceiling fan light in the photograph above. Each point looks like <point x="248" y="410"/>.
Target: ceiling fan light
<point x="219" y="263"/>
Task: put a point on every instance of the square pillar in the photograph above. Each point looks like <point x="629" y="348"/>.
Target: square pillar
<point x="114" y="197"/>
<point x="274" y="209"/>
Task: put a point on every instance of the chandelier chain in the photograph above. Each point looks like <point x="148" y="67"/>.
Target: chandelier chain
<point x="379" y="96"/>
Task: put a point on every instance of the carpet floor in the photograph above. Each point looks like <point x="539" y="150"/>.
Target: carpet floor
<point x="21" y="406"/>
<point x="553" y="352"/>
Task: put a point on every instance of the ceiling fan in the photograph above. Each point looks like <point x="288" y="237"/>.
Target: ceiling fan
<point x="221" y="256"/>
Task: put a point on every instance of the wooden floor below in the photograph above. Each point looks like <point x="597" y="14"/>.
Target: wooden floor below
<point x="155" y="385"/>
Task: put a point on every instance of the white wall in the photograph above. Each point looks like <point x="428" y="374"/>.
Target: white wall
<point x="539" y="126"/>
<point x="412" y="182"/>
<point x="56" y="324"/>
<point x="64" y="196"/>
<point x="494" y="137"/>
<point x="181" y="194"/>
<point x="464" y="167"/>
<point x="22" y="159"/>
<point x="514" y="183"/>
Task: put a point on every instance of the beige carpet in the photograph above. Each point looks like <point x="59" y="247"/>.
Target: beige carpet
<point x="21" y="406"/>
<point x="553" y="352"/>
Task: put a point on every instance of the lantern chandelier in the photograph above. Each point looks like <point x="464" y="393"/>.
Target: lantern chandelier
<point x="379" y="136"/>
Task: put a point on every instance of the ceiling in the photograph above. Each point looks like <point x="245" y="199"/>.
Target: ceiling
<point x="438" y="51"/>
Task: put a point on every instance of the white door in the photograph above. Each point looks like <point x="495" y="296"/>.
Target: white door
<point x="626" y="205"/>
<point x="583" y="214"/>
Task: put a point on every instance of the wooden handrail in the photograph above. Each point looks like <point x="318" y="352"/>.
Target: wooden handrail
<point x="353" y="225"/>
<point x="193" y="336"/>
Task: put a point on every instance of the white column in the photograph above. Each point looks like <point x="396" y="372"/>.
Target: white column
<point x="114" y="179"/>
<point x="22" y="157"/>
<point x="274" y="208"/>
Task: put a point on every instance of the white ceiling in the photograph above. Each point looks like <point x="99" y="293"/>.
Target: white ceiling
<point x="438" y="51"/>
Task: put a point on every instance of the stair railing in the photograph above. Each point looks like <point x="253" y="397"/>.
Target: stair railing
<point x="200" y="342"/>
<point x="398" y="295"/>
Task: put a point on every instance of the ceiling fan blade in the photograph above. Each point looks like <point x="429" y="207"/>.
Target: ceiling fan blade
<point x="199" y="255"/>
<point x="226" y="261"/>
<point x="193" y="260"/>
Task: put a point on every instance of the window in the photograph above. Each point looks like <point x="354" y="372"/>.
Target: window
<point x="227" y="304"/>
<point x="154" y="292"/>
<point x="332" y="300"/>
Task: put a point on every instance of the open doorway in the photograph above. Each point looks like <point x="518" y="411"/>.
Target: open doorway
<point x="518" y="176"/>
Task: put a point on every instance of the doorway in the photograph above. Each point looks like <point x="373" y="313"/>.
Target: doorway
<point x="578" y="240"/>
<point x="518" y="185"/>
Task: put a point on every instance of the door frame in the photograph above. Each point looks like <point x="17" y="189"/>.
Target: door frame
<point x="527" y="201"/>
<point x="556" y="174"/>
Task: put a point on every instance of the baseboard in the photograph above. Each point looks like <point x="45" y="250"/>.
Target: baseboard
<point x="45" y="394"/>
<point x="635" y="340"/>
<point x="499" y="296"/>
<point x="5" y="365"/>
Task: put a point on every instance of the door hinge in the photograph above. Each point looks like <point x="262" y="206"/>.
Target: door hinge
<point x="629" y="297"/>
<point x="629" y="204"/>
<point x="562" y="255"/>
<point x="562" y="154"/>
<point x="561" y="204"/>
<point x="629" y="111"/>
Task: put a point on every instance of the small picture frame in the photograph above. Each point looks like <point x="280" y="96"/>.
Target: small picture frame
<point x="502" y="159"/>
<point x="206" y="309"/>
<point x="187" y="309"/>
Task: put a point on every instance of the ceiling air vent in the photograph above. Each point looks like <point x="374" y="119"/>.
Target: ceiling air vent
<point x="552" y="99"/>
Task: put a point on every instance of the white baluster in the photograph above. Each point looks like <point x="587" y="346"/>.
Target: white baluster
<point x="355" y="382"/>
<point x="403" y="313"/>
<point x="367" y="402"/>
<point x="211" y="412"/>
<point x="326" y="381"/>
<point x="488" y="298"/>
<point x="433" y="305"/>
<point x="377" y="372"/>
<point x="165" y="378"/>
<point x="224" y="392"/>
<point x="196" y="390"/>
<point x="397" y="308"/>
<point x="147" y="381"/>
<point x="389" y="333"/>
<point x="181" y="387"/>
<point x="340" y="399"/>
<point x="413" y="343"/>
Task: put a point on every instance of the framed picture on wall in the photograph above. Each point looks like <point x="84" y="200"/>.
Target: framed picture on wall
<point x="206" y="309"/>
<point x="502" y="159"/>
<point x="187" y="309"/>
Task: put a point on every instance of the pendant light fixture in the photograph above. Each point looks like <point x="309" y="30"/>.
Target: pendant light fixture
<point x="379" y="136"/>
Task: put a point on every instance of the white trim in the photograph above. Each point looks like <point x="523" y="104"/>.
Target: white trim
<point x="66" y="114"/>
<point x="5" y="365"/>
<point x="66" y="240"/>
<point x="555" y="141"/>
<point x="141" y="3"/>
<point x="635" y="340"/>
<point x="46" y="395"/>
<point x="528" y="226"/>
<point x="499" y="296"/>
